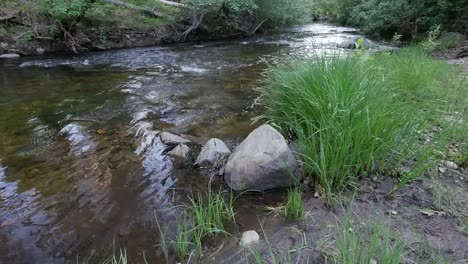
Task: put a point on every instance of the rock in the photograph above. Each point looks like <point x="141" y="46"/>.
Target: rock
<point x="214" y="150"/>
<point x="352" y="43"/>
<point x="450" y="165"/>
<point x="40" y="51"/>
<point x="3" y="45"/>
<point x="9" y="56"/>
<point x="262" y="161"/>
<point x="172" y="139"/>
<point x="181" y="151"/>
<point x="249" y="237"/>
<point x="451" y="40"/>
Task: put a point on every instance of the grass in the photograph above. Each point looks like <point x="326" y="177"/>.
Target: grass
<point x="117" y="258"/>
<point x="294" y="208"/>
<point x="356" y="246"/>
<point x="354" y="115"/>
<point x="205" y="218"/>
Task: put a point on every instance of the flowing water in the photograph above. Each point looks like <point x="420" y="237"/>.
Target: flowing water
<point x="82" y="170"/>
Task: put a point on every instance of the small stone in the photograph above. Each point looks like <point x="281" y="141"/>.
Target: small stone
<point x="180" y="150"/>
<point x="214" y="150"/>
<point x="450" y="165"/>
<point x="3" y="45"/>
<point x="442" y="169"/>
<point x="169" y="138"/>
<point x="394" y="212"/>
<point x="9" y="56"/>
<point x="101" y="131"/>
<point x="249" y="237"/>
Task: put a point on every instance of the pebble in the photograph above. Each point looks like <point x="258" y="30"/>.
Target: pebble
<point x="450" y="165"/>
<point x="249" y="237"/>
<point x="394" y="212"/>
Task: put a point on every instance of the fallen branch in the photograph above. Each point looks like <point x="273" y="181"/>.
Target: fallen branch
<point x="252" y="32"/>
<point x="170" y="3"/>
<point x="136" y="8"/>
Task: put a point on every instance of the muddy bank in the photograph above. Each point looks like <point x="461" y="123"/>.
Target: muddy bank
<point x="96" y="39"/>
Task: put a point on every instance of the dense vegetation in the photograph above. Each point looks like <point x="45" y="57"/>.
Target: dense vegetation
<point x="405" y="17"/>
<point x="80" y="23"/>
<point x="360" y="114"/>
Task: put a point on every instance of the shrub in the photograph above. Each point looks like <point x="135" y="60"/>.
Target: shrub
<point x="65" y="11"/>
<point x="385" y="17"/>
<point x="272" y="12"/>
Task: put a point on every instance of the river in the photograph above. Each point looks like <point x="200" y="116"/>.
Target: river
<point x="82" y="170"/>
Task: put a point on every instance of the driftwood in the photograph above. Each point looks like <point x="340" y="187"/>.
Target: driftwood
<point x="9" y="18"/>
<point x="136" y="8"/>
<point x="196" y="21"/>
<point x="175" y="4"/>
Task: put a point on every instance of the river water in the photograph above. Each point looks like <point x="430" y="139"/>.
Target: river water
<point x="82" y="170"/>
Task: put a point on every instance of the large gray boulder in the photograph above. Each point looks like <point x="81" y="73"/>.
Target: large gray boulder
<point x="262" y="161"/>
<point x="213" y="151"/>
<point x="451" y="40"/>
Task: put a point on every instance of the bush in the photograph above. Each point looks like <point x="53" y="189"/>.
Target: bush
<point x="353" y="115"/>
<point x="385" y="17"/>
<point x="65" y="11"/>
<point x="273" y="12"/>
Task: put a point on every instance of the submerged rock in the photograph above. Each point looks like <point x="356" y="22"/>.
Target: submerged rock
<point x="249" y="237"/>
<point x="9" y="56"/>
<point x="214" y="150"/>
<point x="353" y="43"/>
<point x="172" y="139"/>
<point x="262" y="161"/>
<point x="181" y="151"/>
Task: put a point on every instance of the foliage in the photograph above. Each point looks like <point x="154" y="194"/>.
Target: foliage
<point x="406" y="17"/>
<point x="65" y="11"/>
<point x="273" y="12"/>
<point x="356" y="114"/>
<point x="283" y="12"/>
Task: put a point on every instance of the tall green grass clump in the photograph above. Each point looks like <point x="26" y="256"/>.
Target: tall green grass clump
<point x="204" y="218"/>
<point x="294" y="208"/>
<point x="346" y="119"/>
